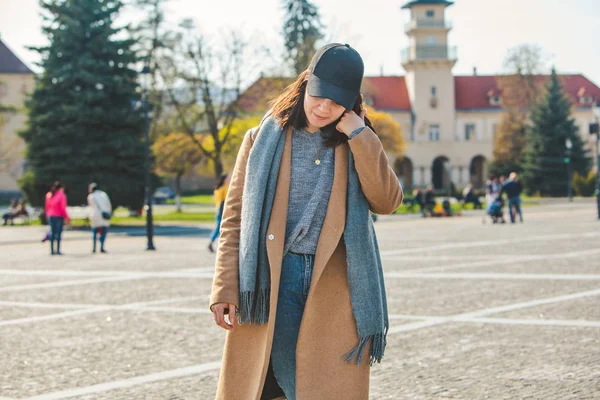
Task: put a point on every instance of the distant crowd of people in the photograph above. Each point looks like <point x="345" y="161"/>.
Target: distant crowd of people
<point x="428" y="206"/>
<point x="495" y="190"/>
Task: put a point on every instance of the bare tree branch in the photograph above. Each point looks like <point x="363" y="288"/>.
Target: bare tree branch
<point x="202" y="86"/>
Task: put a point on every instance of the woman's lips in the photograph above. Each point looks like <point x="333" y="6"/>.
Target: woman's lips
<point x="319" y="117"/>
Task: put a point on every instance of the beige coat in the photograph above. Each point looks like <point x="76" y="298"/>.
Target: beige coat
<point x="328" y="328"/>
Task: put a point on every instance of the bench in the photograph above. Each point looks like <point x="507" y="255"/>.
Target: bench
<point x="24" y="219"/>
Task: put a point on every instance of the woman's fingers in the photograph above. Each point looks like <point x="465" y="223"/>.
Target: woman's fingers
<point x="219" y="315"/>
<point x="232" y="317"/>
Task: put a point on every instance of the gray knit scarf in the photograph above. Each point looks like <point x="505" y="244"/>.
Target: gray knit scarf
<point x="365" y="273"/>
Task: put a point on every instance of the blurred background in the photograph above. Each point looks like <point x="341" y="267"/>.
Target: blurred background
<point x="459" y="91"/>
<point x="150" y="99"/>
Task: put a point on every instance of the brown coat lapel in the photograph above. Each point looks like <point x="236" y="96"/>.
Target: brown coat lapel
<point x="277" y="223"/>
<point x="335" y="219"/>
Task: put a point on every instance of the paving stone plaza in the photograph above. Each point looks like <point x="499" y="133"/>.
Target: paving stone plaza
<point x="478" y="311"/>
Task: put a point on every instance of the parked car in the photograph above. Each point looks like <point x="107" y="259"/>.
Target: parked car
<point x="162" y="194"/>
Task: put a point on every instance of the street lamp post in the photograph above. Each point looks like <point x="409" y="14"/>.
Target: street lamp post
<point x="595" y="130"/>
<point x="144" y="77"/>
<point x="569" y="146"/>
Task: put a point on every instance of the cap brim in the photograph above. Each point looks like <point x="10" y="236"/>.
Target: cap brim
<point x="317" y="87"/>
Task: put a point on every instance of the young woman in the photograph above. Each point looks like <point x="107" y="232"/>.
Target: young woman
<point x="220" y="192"/>
<point x="56" y="213"/>
<point x="100" y="213"/>
<point x="298" y="283"/>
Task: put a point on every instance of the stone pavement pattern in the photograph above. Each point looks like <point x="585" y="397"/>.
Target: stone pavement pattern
<point x="478" y="311"/>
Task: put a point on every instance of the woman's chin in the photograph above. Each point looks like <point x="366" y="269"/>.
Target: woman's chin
<point x="319" y="123"/>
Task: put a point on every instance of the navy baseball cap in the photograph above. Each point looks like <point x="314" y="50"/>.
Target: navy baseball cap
<point x="336" y="73"/>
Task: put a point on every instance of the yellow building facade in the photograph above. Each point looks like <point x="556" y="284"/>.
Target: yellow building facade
<point x="16" y="82"/>
<point x="452" y="120"/>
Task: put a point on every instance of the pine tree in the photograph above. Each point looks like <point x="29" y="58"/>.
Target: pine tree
<point x="302" y="29"/>
<point x="82" y="127"/>
<point x="544" y="167"/>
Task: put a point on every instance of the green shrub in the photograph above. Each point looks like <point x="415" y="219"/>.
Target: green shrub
<point x="584" y="186"/>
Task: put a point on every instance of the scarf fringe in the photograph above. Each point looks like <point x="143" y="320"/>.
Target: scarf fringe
<point x="377" y="349"/>
<point x="254" y="310"/>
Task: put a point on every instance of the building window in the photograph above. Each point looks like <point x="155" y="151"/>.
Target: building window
<point x="433" y="101"/>
<point x="434" y="133"/>
<point x="495" y="100"/>
<point x="431" y="40"/>
<point x="469" y="132"/>
<point x="430" y="13"/>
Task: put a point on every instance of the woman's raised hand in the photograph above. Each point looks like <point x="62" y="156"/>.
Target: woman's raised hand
<point x="351" y="121"/>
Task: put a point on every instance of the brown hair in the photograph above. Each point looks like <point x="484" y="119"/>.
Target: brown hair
<point x="57" y="185"/>
<point x="289" y="109"/>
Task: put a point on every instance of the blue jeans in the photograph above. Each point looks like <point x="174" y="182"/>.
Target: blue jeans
<point x="516" y="203"/>
<point x="56" y="228"/>
<point x="217" y="230"/>
<point x="296" y="274"/>
<point x="103" y="231"/>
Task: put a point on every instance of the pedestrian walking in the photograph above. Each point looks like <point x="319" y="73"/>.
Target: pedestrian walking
<point x="298" y="271"/>
<point x="56" y="213"/>
<point x="491" y="191"/>
<point x="493" y="208"/>
<point x="220" y="193"/>
<point x="100" y="215"/>
<point x="512" y="188"/>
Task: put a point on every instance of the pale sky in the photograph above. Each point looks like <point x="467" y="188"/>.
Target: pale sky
<point x="567" y="30"/>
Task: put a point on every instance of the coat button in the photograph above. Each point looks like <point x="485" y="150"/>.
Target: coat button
<point x="271" y="237"/>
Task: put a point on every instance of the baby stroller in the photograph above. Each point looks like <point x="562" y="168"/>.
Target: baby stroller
<point x="496" y="212"/>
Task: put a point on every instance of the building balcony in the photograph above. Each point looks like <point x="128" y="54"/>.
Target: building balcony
<point x="427" y="24"/>
<point x="428" y="52"/>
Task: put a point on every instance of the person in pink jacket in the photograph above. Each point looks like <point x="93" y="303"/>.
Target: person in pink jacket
<point x="56" y="213"/>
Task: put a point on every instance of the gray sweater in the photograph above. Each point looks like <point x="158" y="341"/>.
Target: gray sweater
<point x="310" y="188"/>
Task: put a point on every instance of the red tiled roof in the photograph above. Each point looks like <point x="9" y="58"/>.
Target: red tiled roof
<point x="472" y="92"/>
<point x="575" y="83"/>
<point x="386" y="92"/>
<point x="391" y="93"/>
<point x="9" y="63"/>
